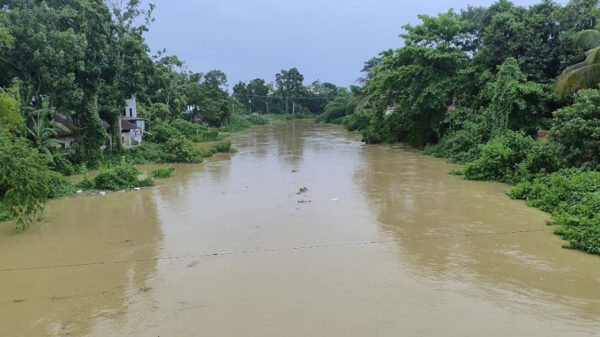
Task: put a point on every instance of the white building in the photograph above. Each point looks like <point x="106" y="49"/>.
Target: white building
<point x="132" y="128"/>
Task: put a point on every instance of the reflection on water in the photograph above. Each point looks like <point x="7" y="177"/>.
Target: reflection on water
<point x="383" y="243"/>
<point x="60" y="300"/>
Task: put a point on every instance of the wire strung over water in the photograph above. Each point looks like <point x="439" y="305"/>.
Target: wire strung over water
<point x="274" y="250"/>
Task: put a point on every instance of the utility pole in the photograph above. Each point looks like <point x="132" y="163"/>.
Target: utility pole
<point x="267" y="105"/>
<point x="293" y="108"/>
<point x="250" y="103"/>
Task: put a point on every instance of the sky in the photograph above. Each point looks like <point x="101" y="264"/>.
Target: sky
<point x="325" y="39"/>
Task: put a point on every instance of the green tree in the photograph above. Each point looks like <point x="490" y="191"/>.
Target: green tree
<point x="421" y="83"/>
<point x="257" y="91"/>
<point x="23" y="179"/>
<point x="10" y="117"/>
<point x="515" y="103"/>
<point x="577" y="128"/>
<point x="289" y="85"/>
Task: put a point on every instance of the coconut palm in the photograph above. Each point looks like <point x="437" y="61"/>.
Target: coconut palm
<point x="586" y="74"/>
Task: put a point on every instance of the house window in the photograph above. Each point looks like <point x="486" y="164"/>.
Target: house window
<point x="130" y="112"/>
<point x="122" y="140"/>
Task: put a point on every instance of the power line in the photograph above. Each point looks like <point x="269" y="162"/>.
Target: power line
<point x="281" y="97"/>
<point x="257" y="251"/>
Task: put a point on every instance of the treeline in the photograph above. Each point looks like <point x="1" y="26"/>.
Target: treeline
<point x="80" y="60"/>
<point x="508" y="91"/>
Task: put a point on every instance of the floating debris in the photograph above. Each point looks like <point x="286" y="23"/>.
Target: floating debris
<point x="193" y="263"/>
<point x="334" y="199"/>
<point x="304" y="201"/>
<point x="302" y="190"/>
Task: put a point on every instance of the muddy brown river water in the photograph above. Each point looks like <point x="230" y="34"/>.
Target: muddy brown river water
<point x="383" y="243"/>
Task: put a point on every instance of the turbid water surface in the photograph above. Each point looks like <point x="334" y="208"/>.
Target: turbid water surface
<point x="383" y="243"/>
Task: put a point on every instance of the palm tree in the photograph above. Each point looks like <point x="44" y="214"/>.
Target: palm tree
<point x="43" y="133"/>
<point x="586" y="74"/>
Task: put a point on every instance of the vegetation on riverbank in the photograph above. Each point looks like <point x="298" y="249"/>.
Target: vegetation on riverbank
<point x="485" y="87"/>
<point x="70" y="66"/>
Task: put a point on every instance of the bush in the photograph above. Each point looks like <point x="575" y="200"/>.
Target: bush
<point x="208" y="135"/>
<point x="122" y="177"/>
<point x="224" y="147"/>
<point x="236" y="123"/>
<point x="559" y="190"/>
<point x="511" y="158"/>
<point x="181" y="150"/>
<point x="257" y="119"/>
<point x="5" y="213"/>
<point x="187" y="128"/>
<point x="61" y="164"/>
<point x="24" y="186"/>
<point x="577" y="128"/>
<point x="59" y="185"/>
<point x="161" y="132"/>
<point x="357" y="121"/>
<point x="573" y="197"/>
<point x="146" y="152"/>
<point x="163" y="172"/>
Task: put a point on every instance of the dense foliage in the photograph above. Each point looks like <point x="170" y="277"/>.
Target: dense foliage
<point x="121" y="177"/>
<point x="480" y="86"/>
<point x="24" y="185"/>
<point x="163" y="172"/>
<point x="77" y="62"/>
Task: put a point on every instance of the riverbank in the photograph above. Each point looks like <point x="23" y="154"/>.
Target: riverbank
<point x="534" y="169"/>
<point x="225" y="249"/>
<point x="178" y="141"/>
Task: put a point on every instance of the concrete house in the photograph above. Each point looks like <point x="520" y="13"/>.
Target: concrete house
<point x="131" y="127"/>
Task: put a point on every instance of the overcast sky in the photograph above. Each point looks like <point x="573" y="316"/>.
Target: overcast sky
<point x="325" y="39"/>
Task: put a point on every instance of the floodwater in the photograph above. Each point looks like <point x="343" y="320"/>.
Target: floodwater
<point x="383" y="243"/>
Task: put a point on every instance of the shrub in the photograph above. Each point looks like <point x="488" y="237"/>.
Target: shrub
<point x="59" y="185"/>
<point x="147" y="152"/>
<point x="186" y="128"/>
<point x="577" y="128"/>
<point x="341" y="106"/>
<point x="236" y="123"/>
<point x="180" y="150"/>
<point x="573" y="197"/>
<point x="24" y="186"/>
<point x="557" y="191"/>
<point x="224" y="147"/>
<point x="61" y="164"/>
<point x="510" y="158"/>
<point x="161" y="132"/>
<point x="122" y="177"/>
<point x="163" y="172"/>
<point x="256" y="119"/>
<point x="208" y="135"/>
<point x="357" y="121"/>
<point x="5" y="213"/>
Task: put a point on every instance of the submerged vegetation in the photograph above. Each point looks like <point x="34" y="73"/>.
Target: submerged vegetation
<point x="163" y="172"/>
<point x="509" y="92"/>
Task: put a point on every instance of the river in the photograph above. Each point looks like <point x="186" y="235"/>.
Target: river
<point x="383" y="243"/>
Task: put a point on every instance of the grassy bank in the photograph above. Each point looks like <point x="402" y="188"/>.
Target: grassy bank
<point x="177" y="141"/>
